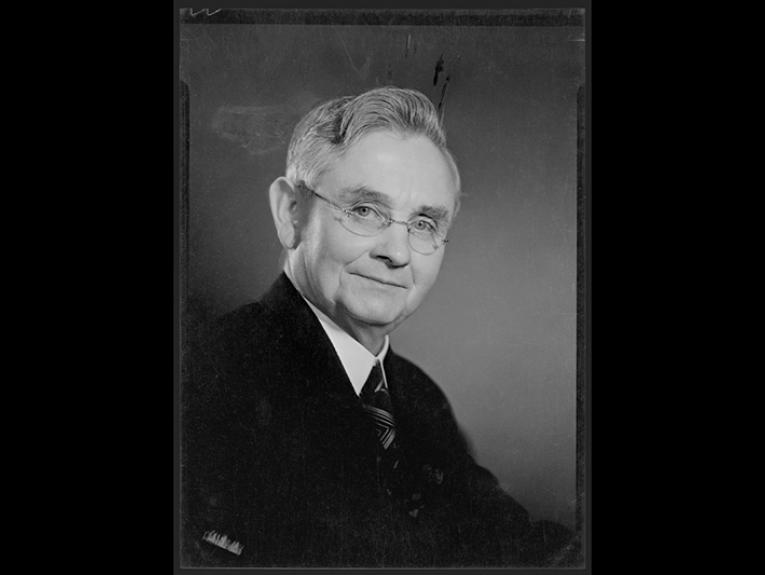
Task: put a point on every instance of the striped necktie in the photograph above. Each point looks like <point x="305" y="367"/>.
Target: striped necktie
<point x="376" y="400"/>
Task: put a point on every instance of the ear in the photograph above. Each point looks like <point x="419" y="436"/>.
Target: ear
<point x="284" y="208"/>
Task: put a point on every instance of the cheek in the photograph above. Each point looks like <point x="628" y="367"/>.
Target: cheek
<point x="425" y="272"/>
<point x="342" y="248"/>
<point x="332" y="249"/>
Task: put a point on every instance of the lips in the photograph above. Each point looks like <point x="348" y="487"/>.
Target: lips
<point x="382" y="281"/>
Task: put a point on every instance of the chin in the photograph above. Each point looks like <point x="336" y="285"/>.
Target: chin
<point x="373" y="313"/>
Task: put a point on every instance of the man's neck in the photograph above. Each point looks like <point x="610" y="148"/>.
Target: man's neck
<point x="371" y="339"/>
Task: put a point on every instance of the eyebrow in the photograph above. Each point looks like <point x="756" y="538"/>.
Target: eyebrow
<point x="362" y="193"/>
<point x="357" y="193"/>
<point x="434" y="212"/>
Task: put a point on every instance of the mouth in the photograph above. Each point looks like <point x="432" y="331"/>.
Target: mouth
<point x="381" y="281"/>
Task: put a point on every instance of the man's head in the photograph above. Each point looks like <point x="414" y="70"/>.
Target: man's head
<point x="353" y="161"/>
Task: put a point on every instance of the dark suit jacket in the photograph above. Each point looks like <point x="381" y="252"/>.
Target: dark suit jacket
<point x="279" y="456"/>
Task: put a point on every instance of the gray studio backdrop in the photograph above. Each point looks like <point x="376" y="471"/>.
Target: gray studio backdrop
<point x="498" y="332"/>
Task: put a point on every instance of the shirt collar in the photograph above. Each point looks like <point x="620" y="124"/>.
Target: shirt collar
<point x="357" y="360"/>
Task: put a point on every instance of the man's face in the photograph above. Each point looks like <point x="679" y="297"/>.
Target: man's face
<point x="374" y="282"/>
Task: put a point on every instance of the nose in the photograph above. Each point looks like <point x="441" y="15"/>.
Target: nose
<point x="392" y="246"/>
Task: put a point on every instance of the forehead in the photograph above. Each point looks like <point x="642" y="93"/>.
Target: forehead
<point x="408" y="171"/>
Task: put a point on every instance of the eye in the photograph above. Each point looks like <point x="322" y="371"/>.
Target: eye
<point x="424" y="225"/>
<point x="365" y="212"/>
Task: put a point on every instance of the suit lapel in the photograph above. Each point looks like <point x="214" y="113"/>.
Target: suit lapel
<point x="330" y="408"/>
<point x="421" y="422"/>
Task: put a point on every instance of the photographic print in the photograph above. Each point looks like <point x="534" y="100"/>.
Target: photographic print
<point x="382" y="263"/>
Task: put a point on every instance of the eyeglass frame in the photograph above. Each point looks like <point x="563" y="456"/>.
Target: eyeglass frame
<point x="388" y="221"/>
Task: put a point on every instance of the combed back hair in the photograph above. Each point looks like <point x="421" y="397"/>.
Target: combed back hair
<point x="328" y="130"/>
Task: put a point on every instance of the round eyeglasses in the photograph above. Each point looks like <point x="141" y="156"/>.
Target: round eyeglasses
<point x="364" y="219"/>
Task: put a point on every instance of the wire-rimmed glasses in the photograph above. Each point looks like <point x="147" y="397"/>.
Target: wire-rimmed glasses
<point x="364" y="219"/>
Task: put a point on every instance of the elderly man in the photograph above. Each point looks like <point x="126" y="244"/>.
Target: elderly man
<point x="307" y="441"/>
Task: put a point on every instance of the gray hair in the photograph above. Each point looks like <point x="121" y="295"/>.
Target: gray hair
<point x="329" y="129"/>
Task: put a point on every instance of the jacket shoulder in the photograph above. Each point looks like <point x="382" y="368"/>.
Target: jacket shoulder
<point x="237" y="326"/>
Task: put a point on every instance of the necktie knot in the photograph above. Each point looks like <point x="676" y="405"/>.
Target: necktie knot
<point x="374" y="384"/>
